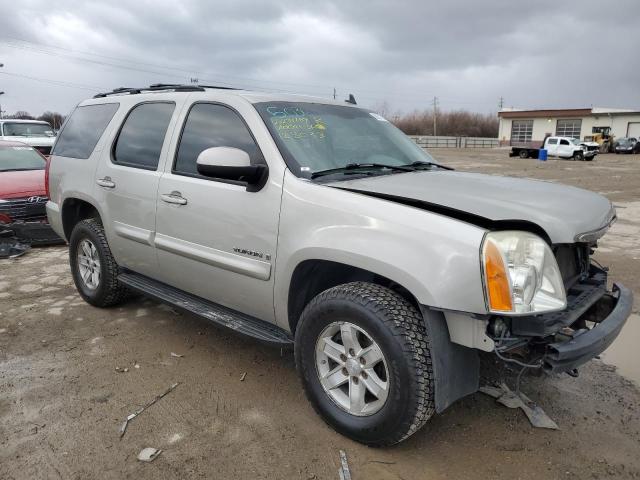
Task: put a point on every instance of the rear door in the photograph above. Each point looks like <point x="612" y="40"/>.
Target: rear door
<point x="127" y="181"/>
<point x="552" y="146"/>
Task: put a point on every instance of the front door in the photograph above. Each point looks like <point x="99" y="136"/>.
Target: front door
<point x="214" y="238"/>
<point x="127" y="184"/>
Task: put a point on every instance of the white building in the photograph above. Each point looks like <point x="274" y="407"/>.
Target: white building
<point x="530" y="127"/>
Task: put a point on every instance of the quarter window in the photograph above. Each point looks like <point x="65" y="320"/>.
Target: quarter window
<point x="521" y="130"/>
<point x="140" y="141"/>
<point x="569" y="128"/>
<point x="211" y="125"/>
<point x="84" y="128"/>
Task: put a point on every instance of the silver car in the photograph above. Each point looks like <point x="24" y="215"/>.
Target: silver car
<point x="317" y="225"/>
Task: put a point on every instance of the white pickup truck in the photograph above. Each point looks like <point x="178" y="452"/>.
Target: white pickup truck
<point x="561" y="147"/>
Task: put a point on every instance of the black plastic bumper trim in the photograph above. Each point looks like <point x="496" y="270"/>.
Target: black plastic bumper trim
<point x="565" y="356"/>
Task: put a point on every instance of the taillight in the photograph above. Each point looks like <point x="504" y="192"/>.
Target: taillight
<point x="46" y="176"/>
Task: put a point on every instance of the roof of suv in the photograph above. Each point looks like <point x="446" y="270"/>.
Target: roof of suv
<point x="147" y="93"/>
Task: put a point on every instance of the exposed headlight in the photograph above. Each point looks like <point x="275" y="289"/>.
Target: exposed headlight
<point x="521" y="275"/>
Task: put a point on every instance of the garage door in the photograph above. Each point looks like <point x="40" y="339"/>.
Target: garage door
<point x="633" y="130"/>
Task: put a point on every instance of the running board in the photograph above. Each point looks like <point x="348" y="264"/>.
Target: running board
<point x="260" y="330"/>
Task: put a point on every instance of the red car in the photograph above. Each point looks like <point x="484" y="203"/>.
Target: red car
<point x="23" y="193"/>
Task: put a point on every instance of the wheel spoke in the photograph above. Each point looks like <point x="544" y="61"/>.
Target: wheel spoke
<point x="375" y="384"/>
<point x="95" y="278"/>
<point x="85" y="273"/>
<point x="335" y="378"/>
<point x="84" y="261"/>
<point x="350" y="337"/>
<point x="372" y="355"/>
<point x="356" y="396"/>
<point x="333" y="350"/>
<point x="86" y="249"/>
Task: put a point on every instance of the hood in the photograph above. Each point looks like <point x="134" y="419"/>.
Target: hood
<point x="20" y="184"/>
<point x="563" y="212"/>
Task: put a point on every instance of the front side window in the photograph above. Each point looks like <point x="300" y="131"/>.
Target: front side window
<point x="83" y="129"/>
<point x="13" y="158"/>
<point x="18" y="129"/>
<point x="140" y="141"/>
<point x="316" y="137"/>
<point x="564" y="142"/>
<point x="211" y="125"/>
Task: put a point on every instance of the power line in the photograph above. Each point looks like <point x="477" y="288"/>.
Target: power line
<point x="58" y="83"/>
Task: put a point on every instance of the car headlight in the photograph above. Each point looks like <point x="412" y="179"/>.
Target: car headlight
<point x="521" y="275"/>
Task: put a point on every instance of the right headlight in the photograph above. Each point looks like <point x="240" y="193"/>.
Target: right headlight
<point x="521" y="275"/>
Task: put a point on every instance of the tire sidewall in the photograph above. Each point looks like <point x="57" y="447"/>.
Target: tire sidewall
<point x="382" y="425"/>
<point x="81" y="232"/>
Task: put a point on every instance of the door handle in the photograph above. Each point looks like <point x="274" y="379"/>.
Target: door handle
<point x="106" y="182"/>
<point x="174" y="197"/>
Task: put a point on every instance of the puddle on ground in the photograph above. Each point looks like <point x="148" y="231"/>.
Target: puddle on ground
<point x="624" y="353"/>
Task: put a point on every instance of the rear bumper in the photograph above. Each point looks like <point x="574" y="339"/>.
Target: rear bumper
<point x="610" y="314"/>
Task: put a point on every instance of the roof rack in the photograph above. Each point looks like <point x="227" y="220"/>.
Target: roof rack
<point x="160" y="87"/>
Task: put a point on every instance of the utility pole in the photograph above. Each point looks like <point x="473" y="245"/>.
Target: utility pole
<point x="1" y="93"/>
<point x="435" y="115"/>
<point x="501" y="103"/>
<point x="334" y="93"/>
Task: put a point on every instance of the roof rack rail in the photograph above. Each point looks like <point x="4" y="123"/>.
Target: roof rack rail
<point x="160" y="87"/>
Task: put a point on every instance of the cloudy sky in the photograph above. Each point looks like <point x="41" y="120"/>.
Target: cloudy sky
<point x="573" y="53"/>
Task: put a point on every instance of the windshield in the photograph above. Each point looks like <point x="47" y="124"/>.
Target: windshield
<point x="315" y="137"/>
<point x="28" y="130"/>
<point x="575" y="141"/>
<point x="20" y="158"/>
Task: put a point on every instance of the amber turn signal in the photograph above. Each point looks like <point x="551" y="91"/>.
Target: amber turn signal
<point x="497" y="279"/>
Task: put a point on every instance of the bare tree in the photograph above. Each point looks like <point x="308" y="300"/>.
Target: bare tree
<point x="21" y="115"/>
<point x="54" y="119"/>
<point x="459" y="123"/>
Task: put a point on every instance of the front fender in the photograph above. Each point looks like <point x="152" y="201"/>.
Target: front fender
<point x="434" y="257"/>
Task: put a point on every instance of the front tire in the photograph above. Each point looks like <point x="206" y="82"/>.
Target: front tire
<point x="363" y="355"/>
<point x="94" y="270"/>
<point x="579" y="156"/>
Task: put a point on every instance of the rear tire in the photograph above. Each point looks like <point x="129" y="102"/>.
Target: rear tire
<point x="94" y="270"/>
<point x="523" y="154"/>
<point x="377" y="318"/>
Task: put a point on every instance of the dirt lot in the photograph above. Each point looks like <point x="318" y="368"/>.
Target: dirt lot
<point x="62" y="400"/>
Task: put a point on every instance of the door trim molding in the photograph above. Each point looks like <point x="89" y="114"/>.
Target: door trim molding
<point x="216" y="258"/>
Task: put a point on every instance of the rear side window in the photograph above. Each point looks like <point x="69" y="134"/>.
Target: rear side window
<point x="140" y="140"/>
<point x="552" y="141"/>
<point x="211" y="125"/>
<point x="83" y="130"/>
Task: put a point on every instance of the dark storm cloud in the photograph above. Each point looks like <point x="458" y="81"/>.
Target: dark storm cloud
<point x="468" y="53"/>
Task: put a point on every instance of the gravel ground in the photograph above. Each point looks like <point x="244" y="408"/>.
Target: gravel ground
<point x="239" y="411"/>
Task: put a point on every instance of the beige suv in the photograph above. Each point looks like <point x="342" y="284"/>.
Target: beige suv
<point x="317" y="225"/>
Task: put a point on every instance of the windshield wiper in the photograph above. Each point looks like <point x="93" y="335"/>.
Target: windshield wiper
<point x="361" y="166"/>
<point x="428" y="164"/>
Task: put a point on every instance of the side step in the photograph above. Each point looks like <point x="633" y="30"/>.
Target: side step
<point x="226" y="317"/>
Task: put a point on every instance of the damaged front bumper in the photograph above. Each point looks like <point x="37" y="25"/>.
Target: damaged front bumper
<point x="609" y="314"/>
<point x="562" y="341"/>
<point x="33" y="232"/>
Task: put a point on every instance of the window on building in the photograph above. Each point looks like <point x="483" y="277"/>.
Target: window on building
<point x="521" y="130"/>
<point x="140" y="141"/>
<point x="83" y="130"/>
<point x="569" y="128"/>
<point x="210" y="125"/>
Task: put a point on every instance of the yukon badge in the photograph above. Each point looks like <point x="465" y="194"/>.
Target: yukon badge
<point x="252" y="253"/>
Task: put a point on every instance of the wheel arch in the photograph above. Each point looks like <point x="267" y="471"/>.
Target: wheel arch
<point x="73" y="211"/>
<point x="313" y="276"/>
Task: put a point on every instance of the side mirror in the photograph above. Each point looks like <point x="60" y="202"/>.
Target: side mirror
<point x="229" y="163"/>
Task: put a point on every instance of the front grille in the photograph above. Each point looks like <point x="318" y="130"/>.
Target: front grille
<point x="573" y="262"/>
<point x="30" y="208"/>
